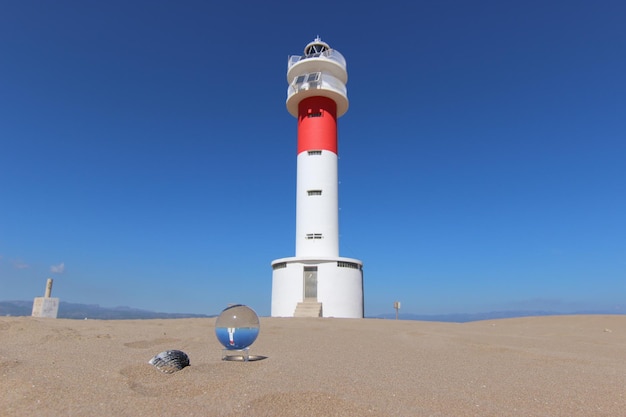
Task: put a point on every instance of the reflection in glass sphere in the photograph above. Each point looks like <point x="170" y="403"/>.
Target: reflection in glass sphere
<point x="237" y="327"/>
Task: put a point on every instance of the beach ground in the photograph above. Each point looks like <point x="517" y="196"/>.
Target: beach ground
<point x="533" y="366"/>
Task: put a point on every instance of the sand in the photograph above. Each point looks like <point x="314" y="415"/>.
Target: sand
<point x="536" y="366"/>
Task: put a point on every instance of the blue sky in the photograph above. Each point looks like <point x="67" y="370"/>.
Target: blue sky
<point x="147" y="158"/>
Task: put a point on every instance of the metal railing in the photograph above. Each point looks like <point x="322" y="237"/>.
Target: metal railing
<point x="329" y="54"/>
<point x="327" y="82"/>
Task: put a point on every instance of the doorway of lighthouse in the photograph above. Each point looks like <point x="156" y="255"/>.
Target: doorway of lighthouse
<point x="310" y="283"/>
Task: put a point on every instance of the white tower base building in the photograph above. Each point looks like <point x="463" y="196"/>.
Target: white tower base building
<point x="320" y="287"/>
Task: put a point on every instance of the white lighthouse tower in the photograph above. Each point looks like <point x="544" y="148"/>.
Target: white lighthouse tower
<point x="317" y="282"/>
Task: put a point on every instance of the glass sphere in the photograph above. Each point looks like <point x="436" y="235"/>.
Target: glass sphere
<point x="237" y="327"/>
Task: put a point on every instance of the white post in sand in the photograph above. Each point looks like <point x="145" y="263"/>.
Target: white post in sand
<point x="46" y="306"/>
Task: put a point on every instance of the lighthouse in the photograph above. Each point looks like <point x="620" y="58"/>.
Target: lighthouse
<point x="317" y="282"/>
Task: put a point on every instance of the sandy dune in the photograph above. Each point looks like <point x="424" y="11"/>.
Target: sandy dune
<point x="540" y="366"/>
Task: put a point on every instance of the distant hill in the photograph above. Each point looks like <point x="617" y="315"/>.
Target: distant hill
<point x="94" y="311"/>
<point x="464" y="318"/>
<point x="91" y="311"/>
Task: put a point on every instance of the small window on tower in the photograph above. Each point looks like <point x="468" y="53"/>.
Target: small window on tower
<point x="310" y="236"/>
<point x="314" y="76"/>
<point x="352" y="265"/>
<point x="315" y="152"/>
<point x="279" y="265"/>
<point x="300" y="79"/>
<point x="318" y="114"/>
<point x="314" y="192"/>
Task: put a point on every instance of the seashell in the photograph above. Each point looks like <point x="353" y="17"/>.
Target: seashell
<point x="170" y="361"/>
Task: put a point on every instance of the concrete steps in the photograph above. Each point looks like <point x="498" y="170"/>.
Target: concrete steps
<point x="308" y="309"/>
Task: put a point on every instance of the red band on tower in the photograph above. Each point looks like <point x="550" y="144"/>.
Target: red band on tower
<point x="317" y="124"/>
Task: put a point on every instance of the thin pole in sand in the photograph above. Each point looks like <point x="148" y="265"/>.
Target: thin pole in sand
<point x="396" y="305"/>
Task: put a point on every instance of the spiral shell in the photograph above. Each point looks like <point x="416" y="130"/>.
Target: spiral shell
<point x="170" y="361"/>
